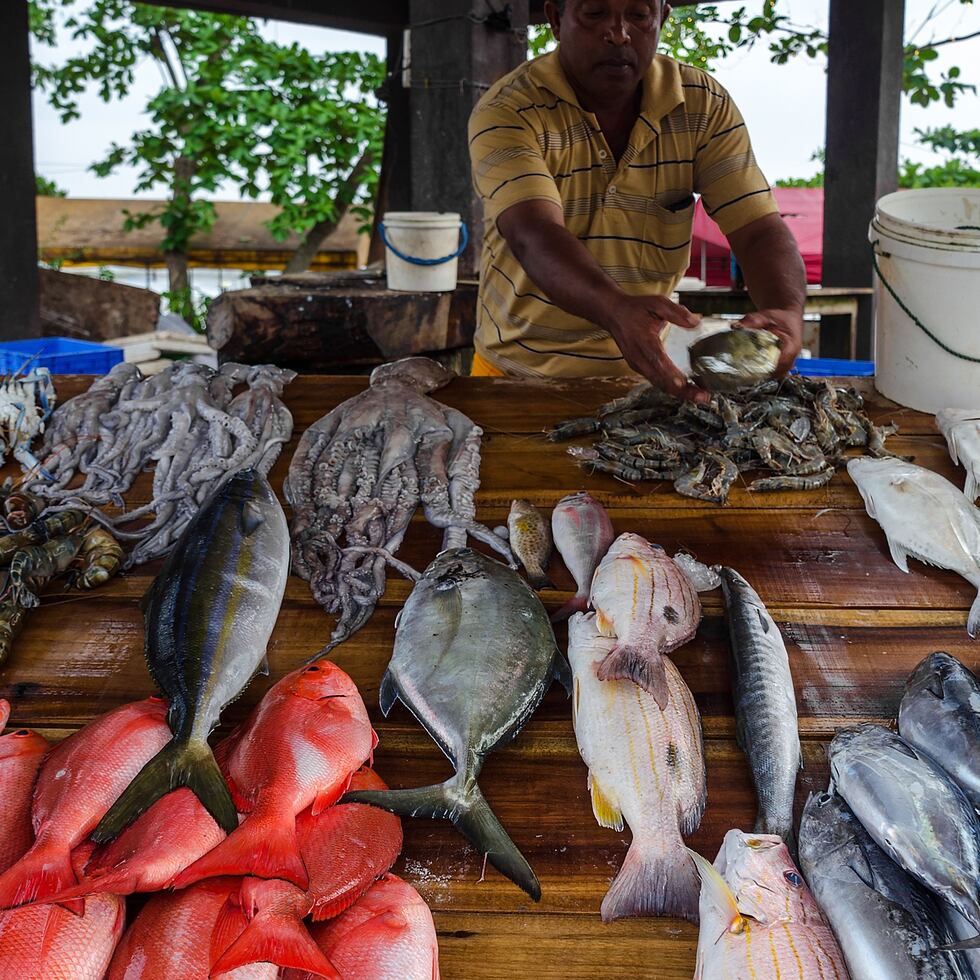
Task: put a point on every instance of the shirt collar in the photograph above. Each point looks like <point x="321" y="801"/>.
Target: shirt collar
<point x="662" y="88"/>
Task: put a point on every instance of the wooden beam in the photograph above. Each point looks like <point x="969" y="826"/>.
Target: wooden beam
<point x="864" y="89"/>
<point x="365" y="16"/>
<point x="19" y="296"/>
<point x="457" y="50"/>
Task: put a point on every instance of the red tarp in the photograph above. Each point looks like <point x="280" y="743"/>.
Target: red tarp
<point x="802" y="209"/>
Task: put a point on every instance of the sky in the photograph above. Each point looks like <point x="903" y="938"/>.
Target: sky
<point x="782" y="104"/>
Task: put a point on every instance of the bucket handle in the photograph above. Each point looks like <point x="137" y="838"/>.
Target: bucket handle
<point x="887" y="255"/>
<point x="464" y="238"/>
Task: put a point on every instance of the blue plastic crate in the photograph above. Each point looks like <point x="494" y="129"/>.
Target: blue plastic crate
<point x="831" y="367"/>
<point x="60" y="355"/>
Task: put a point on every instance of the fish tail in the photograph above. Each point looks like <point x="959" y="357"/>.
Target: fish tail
<point x="278" y="939"/>
<point x="264" y="846"/>
<point x="464" y="805"/>
<point x="179" y="763"/>
<point x="629" y="663"/>
<point x="653" y="882"/>
<point x="576" y="604"/>
<point x="973" y="621"/>
<point x="45" y="870"/>
<point x="971" y="488"/>
<point x="539" y="579"/>
<point x="779" y="826"/>
<point x="973" y="943"/>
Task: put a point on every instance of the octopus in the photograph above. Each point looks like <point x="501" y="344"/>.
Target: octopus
<point x="186" y="423"/>
<point x="360" y="472"/>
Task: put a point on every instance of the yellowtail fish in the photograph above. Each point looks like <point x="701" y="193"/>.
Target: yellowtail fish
<point x="758" y="918"/>
<point x="646" y="765"/>
<point x="208" y="617"/>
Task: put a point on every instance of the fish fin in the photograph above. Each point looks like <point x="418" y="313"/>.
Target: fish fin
<point x="973" y="620"/>
<point x="264" y="846"/>
<point x="325" y="800"/>
<point x="278" y="939"/>
<point x="178" y="763"/>
<point x="652" y="882"/>
<point x="973" y="943"/>
<point x="898" y="553"/>
<point x="763" y="620"/>
<point x="576" y="604"/>
<point x="469" y="812"/>
<point x="627" y="663"/>
<point x="606" y="812"/>
<point x="971" y="488"/>
<point x="252" y="518"/>
<point x="562" y="672"/>
<point x="717" y="890"/>
<point x="119" y="882"/>
<point x="263" y="668"/>
<point x="43" y="871"/>
<point x="228" y="926"/>
<point x="603" y="624"/>
<point x="389" y="692"/>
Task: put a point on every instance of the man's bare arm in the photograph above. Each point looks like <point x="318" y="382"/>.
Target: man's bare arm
<point x="776" y="280"/>
<point x="563" y="268"/>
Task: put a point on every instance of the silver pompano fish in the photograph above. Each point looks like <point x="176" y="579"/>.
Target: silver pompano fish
<point x="962" y="930"/>
<point x="888" y="926"/>
<point x="474" y="655"/>
<point x="922" y="515"/>
<point x="644" y="600"/>
<point x="530" y="540"/>
<point x="208" y="617"/>
<point x="940" y="714"/>
<point x="913" y="811"/>
<point x="961" y="428"/>
<point x="765" y="704"/>
<point x="645" y="765"/>
<point x="758" y="918"/>
<point x="582" y="533"/>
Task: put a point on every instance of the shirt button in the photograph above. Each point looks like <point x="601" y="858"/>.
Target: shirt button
<point x="612" y="190"/>
<point x="603" y="154"/>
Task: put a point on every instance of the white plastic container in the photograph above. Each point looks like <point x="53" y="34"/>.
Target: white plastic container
<point x="422" y="249"/>
<point x="927" y="297"/>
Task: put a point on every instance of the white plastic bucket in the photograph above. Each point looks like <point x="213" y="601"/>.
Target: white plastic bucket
<point x="927" y="297"/>
<point x="422" y="249"/>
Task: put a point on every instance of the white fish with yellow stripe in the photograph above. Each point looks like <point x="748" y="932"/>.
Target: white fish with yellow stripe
<point x="646" y="766"/>
<point x="644" y="600"/>
<point x="759" y="920"/>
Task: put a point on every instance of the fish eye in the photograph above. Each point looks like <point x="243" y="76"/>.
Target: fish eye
<point x="752" y="842"/>
<point x="823" y="799"/>
<point x="312" y="669"/>
<point x="793" y="878"/>
<point x="22" y="732"/>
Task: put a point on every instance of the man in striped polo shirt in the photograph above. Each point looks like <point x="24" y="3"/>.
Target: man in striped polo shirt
<point x="587" y="160"/>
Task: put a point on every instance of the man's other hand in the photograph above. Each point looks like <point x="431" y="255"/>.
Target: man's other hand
<point x="787" y="325"/>
<point x="636" y="324"/>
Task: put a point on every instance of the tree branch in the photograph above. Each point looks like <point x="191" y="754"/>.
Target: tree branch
<point x="951" y="40"/>
<point x="160" y="53"/>
<point x="303" y="257"/>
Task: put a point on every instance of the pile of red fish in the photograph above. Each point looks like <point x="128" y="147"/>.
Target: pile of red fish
<point x="232" y="907"/>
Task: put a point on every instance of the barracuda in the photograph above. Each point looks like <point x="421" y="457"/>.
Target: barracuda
<point x="208" y="617"/>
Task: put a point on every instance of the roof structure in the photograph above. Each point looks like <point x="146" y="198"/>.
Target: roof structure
<point x="89" y="231"/>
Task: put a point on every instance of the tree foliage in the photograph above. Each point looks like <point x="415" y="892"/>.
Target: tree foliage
<point x="705" y="34"/>
<point x="232" y="106"/>
<point x="45" y="187"/>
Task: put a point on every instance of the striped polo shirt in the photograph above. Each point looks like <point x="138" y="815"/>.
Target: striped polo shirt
<point x="531" y="139"/>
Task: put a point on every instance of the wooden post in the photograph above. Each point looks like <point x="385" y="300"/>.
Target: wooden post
<point x="864" y="90"/>
<point x="19" y="294"/>
<point x="457" y="49"/>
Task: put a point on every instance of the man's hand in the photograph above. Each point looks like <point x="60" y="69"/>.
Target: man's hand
<point x="636" y="323"/>
<point x="787" y="325"/>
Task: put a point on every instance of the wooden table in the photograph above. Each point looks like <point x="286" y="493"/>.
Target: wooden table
<point x="854" y="625"/>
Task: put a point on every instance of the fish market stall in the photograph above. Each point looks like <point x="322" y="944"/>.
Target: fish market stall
<point x="855" y="626"/>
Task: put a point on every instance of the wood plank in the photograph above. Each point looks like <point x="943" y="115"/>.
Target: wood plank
<point x="843" y="673"/>
<point x="505" y="406"/>
<point x="489" y="945"/>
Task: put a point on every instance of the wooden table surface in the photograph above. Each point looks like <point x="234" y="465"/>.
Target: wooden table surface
<point x="854" y="626"/>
